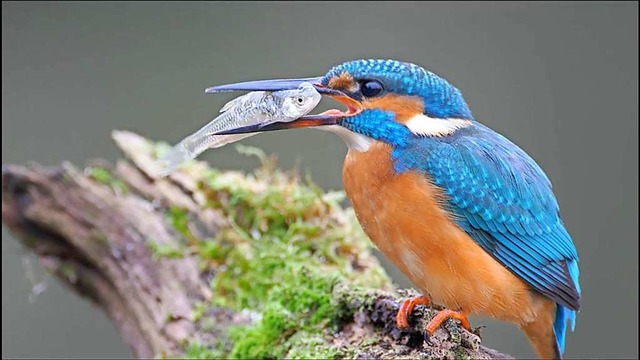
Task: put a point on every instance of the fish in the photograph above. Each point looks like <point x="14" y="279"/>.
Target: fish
<point x="257" y="107"/>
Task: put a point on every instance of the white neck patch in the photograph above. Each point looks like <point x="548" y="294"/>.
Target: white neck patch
<point x="354" y="141"/>
<point x="424" y="125"/>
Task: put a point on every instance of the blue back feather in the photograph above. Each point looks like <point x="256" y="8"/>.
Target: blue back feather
<point x="504" y="201"/>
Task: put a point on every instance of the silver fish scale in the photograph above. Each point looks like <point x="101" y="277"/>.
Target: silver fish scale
<point x="255" y="107"/>
<point x="258" y="107"/>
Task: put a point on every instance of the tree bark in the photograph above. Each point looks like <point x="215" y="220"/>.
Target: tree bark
<point x="92" y="231"/>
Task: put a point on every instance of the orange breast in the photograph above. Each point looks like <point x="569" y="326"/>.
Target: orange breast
<point x="402" y="215"/>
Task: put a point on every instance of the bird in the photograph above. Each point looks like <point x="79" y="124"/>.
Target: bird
<point x="465" y="214"/>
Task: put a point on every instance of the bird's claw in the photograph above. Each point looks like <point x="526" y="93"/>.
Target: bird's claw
<point x="406" y="308"/>
<point x="427" y="338"/>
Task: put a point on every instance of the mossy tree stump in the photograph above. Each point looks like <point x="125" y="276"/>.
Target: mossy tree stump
<point x="210" y="264"/>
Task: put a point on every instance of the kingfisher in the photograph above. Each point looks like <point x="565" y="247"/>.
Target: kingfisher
<point x="462" y="211"/>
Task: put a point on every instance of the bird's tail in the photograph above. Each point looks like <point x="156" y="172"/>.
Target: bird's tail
<point x="547" y="333"/>
<point x="563" y="313"/>
<point x="542" y="336"/>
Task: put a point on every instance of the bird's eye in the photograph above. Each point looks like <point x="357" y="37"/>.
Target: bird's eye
<point x="370" y="88"/>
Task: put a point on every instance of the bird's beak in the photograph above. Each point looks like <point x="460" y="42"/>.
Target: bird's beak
<point x="331" y="117"/>
<point x="273" y="85"/>
<point x="324" y="119"/>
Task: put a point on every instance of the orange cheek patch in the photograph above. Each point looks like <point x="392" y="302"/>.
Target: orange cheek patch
<point x="343" y="81"/>
<point x="405" y="107"/>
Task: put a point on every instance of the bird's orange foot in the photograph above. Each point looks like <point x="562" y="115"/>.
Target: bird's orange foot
<point x="440" y="317"/>
<point x="406" y="308"/>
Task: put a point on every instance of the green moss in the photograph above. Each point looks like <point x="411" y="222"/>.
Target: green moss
<point x="207" y="324"/>
<point x="197" y="350"/>
<point x="370" y="341"/>
<point x="352" y="298"/>
<point x="454" y="332"/>
<point x="460" y="353"/>
<point x="306" y="345"/>
<point x="288" y="246"/>
<point x="300" y="302"/>
<point x="100" y="174"/>
<point x="213" y="249"/>
<point x="159" y="148"/>
<point x="69" y="272"/>
<point x="101" y="238"/>
<point x="164" y="251"/>
<point x="198" y="311"/>
<point x="179" y="219"/>
<point x="66" y="178"/>
<point x="105" y="177"/>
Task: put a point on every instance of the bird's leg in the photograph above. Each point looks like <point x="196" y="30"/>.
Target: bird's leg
<point x="406" y="308"/>
<point x="443" y="315"/>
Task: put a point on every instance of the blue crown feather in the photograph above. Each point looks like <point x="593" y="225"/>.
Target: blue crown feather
<point x="441" y="99"/>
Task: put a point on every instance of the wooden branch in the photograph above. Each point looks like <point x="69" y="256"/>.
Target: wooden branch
<point x="107" y="233"/>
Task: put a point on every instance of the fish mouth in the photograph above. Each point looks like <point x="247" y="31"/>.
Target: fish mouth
<point x="329" y="117"/>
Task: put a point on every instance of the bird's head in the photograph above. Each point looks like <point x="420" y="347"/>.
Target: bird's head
<point x="386" y="100"/>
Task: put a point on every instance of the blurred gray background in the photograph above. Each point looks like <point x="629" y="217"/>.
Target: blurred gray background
<point x="559" y="79"/>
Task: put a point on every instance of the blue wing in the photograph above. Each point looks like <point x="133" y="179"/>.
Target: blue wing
<point x="504" y="201"/>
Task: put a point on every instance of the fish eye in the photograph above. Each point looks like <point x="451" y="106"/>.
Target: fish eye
<point x="370" y="88"/>
<point x="300" y="100"/>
